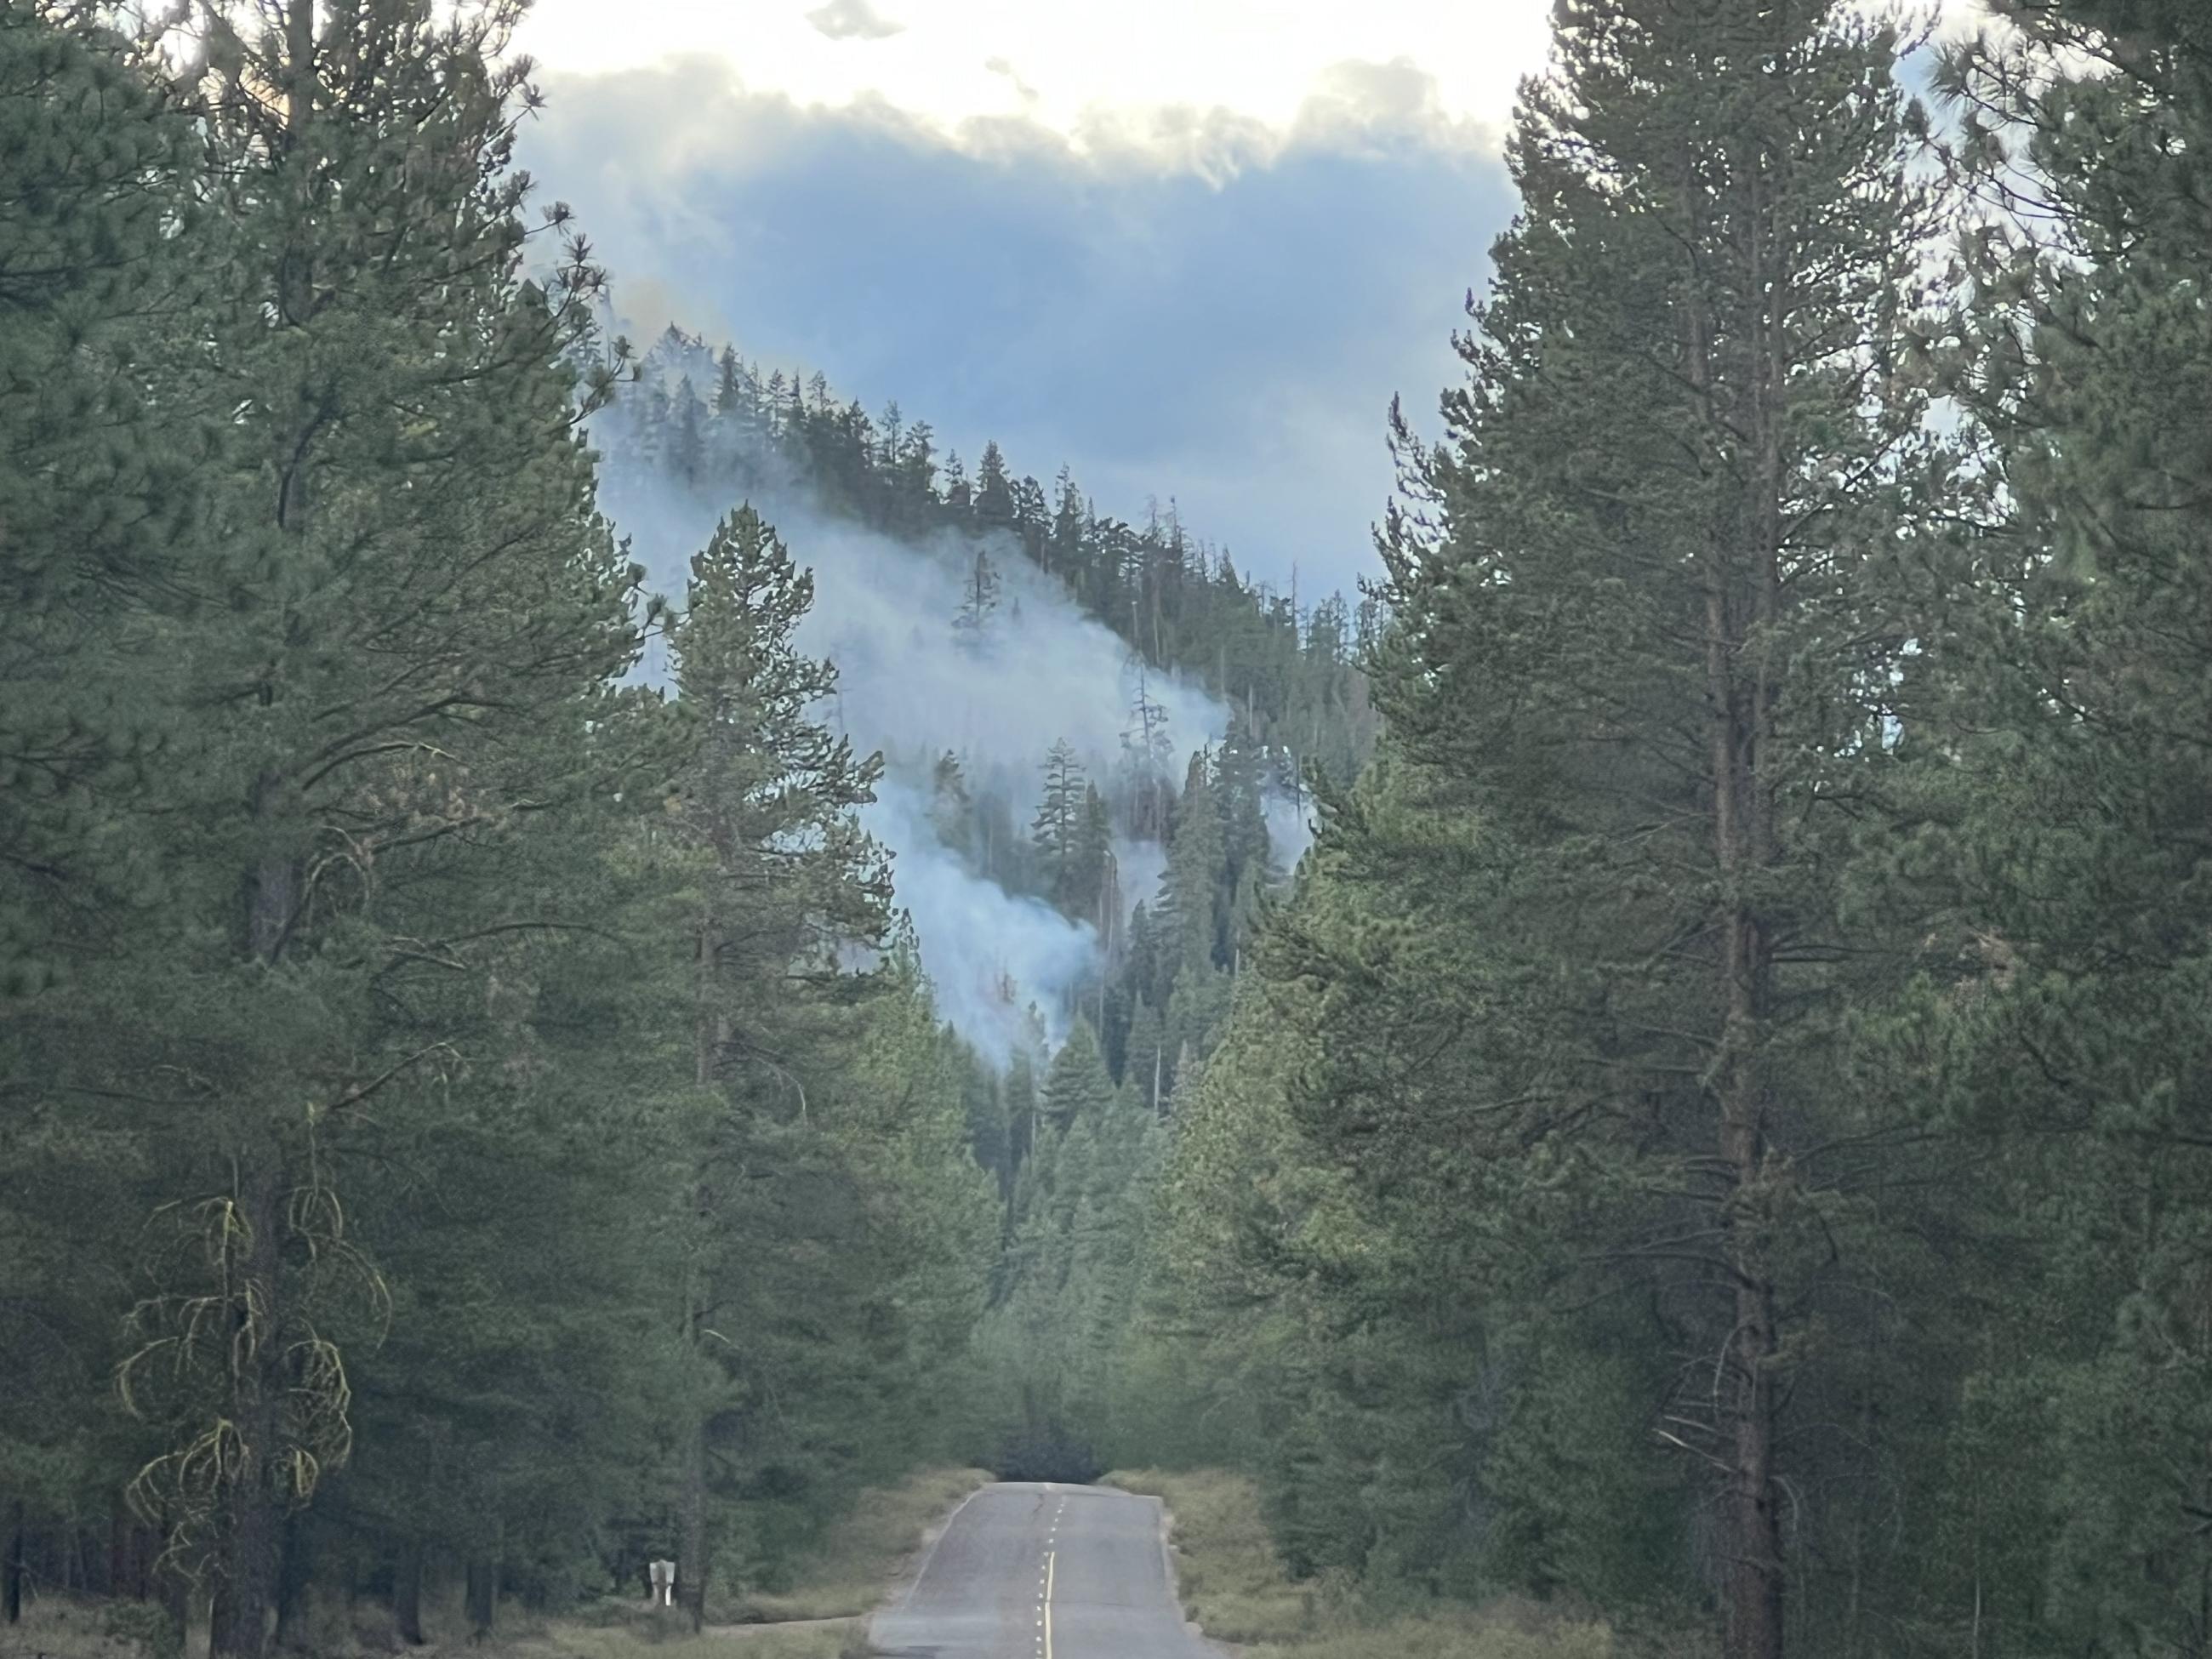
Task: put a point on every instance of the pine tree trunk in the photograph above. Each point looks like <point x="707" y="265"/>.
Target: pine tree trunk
<point x="174" y="1587"/>
<point x="199" y="1616"/>
<point x="407" y="1594"/>
<point x="251" y="1545"/>
<point x="1756" y="1604"/>
<point x="483" y="1595"/>
<point x="137" y="1580"/>
<point x="11" y="1563"/>
<point x="710" y="1031"/>
<point x="691" y="1542"/>
<point x="249" y="1542"/>
<point x="118" y="1546"/>
<point x="1755" y="1560"/>
<point x="1754" y="1568"/>
<point x="296" y="1565"/>
<point x="1740" y="605"/>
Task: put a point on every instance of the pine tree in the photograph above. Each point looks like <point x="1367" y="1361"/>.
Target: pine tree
<point x="1077" y="1090"/>
<point x="1190" y="907"/>
<point x="1088" y="888"/>
<point x="1057" y="832"/>
<point x="979" y="603"/>
<point x="2054" y="866"/>
<point x="791" y="884"/>
<point x="1070" y="515"/>
<point x="110" y="440"/>
<point x="952" y="812"/>
<point x="1639" y="649"/>
<point x="1240" y="781"/>
<point x="994" y="490"/>
<point x="1148" y="754"/>
<point x="113" y="442"/>
<point x="416" y="594"/>
<point x="687" y="436"/>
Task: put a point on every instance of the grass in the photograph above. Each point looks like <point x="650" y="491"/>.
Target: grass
<point x="1227" y="1569"/>
<point x="1234" y="1586"/>
<point x="822" y="1615"/>
<point x="861" y="1553"/>
<point x="824" y="1612"/>
<point x="841" y="1639"/>
<point x="68" y="1627"/>
<point x="65" y="1628"/>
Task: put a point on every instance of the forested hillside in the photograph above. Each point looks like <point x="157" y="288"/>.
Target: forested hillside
<point x="1098" y="745"/>
<point x="1056" y="695"/>
<point x="600" y="949"/>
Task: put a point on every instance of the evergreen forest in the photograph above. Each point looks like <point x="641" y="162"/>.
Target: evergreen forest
<point x="603" y="950"/>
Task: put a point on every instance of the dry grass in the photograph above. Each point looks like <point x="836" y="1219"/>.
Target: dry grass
<point x="62" y="1628"/>
<point x="1234" y="1586"/>
<point x="66" y="1627"/>
<point x="841" y="1639"/>
<point x="823" y="1615"/>
<point x="864" y="1552"/>
<point x="1226" y="1565"/>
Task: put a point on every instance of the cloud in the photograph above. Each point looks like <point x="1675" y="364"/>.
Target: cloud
<point x="1357" y="104"/>
<point x="1002" y="66"/>
<point x="852" y="19"/>
<point x="1080" y="64"/>
<point x="1228" y="332"/>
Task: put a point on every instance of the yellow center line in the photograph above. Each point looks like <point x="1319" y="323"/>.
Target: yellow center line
<point x="1051" y="1556"/>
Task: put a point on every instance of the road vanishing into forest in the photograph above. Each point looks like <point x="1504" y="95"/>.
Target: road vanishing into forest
<point x="1025" y="1572"/>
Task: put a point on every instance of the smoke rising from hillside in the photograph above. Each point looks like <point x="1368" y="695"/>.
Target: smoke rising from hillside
<point x="1042" y="672"/>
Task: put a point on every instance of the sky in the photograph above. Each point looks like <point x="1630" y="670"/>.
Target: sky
<point x="1189" y="249"/>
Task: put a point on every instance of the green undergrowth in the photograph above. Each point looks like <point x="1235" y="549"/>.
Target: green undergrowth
<point x="859" y="1554"/>
<point x="1234" y="1586"/>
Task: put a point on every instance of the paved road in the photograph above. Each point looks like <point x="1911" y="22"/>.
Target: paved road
<point x="1043" y="1573"/>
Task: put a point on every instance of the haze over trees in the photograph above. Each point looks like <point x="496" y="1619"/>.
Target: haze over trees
<point x="518" y="1056"/>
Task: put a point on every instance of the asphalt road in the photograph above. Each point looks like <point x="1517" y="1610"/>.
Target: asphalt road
<point x="1043" y="1573"/>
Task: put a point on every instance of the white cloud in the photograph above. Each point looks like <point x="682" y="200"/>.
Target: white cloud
<point x="1134" y="70"/>
<point x="1176" y="80"/>
<point x="852" y="19"/>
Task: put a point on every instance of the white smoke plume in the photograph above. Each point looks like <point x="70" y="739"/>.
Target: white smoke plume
<point x="1044" y="673"/>
<point x="1290" y="828"/>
